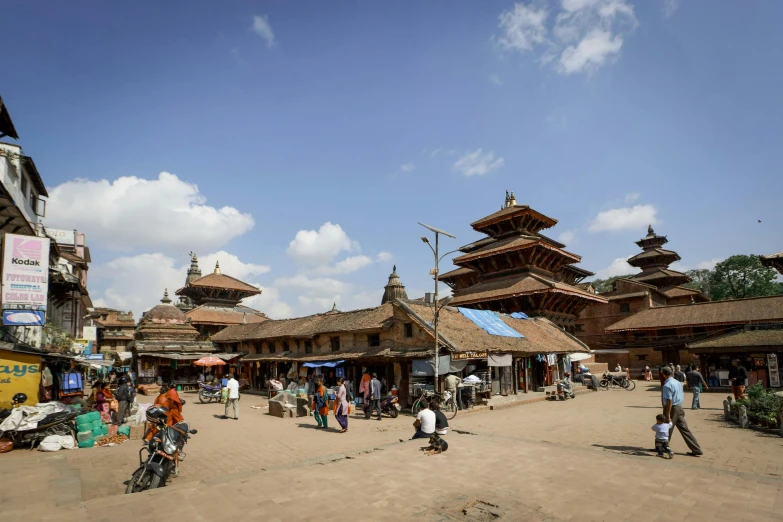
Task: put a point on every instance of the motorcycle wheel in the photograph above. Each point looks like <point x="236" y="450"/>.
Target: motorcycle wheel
<point x="393" y="413"/>
<point x="604" y="383"/>
<point x="203" y="399"/>
<point x="629" y="385"/>
<point x="142" y="480"/>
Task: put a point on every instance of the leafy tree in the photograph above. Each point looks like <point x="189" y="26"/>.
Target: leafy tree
<point x="605" y="285"/>
<point x="700" y="280"/>
<point x="742" y="276"/>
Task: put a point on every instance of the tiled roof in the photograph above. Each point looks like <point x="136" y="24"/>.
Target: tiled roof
<point x="336" y="356"/>
<point x="511" y="244"/>
<point x="505" y="213"/>
<point x="220" y="315"/>
<point x="679" y="291"/>
<point x="223" y="281"/>
<point x="654" y="275"/>
<point x="655" y="252"/>
<point x="463" y="335"/>
<point x="514" y="286"/>
<point x="618" y="297"/>
<point x="734" y="311"/>
<point x="310" y="326"/>
<point x="742" y="338"/>
<point x="457" y="272"/>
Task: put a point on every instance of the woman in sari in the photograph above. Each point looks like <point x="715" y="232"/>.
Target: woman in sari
<point x="321" y="405"/>
<point x="341" y="407"/>
<point x="647" y="373"/>
<point x="174" y="405"/>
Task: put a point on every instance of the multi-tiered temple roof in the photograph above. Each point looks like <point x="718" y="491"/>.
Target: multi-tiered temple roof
<point x="518" y="269"/>
<point x="654" y="262"/>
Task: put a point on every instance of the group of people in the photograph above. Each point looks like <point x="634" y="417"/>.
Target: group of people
<point x="320" y="405"/>
<point x="114" y="407"/>
<point x="672" y="396"/>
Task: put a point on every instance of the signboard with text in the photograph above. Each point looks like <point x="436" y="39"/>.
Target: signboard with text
<point x="23" y="318"/>
<point x="25" y="272"/>
<point x="774" y="371"/>
<point x="62" y="237"/>
<point x="460" y="356"/>
<point x="90" y="333"/>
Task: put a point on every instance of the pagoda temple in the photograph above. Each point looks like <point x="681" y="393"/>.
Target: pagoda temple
<point x="394" y="289"/>
<point x="518" y="269"/>
<point x="213" y="301"/>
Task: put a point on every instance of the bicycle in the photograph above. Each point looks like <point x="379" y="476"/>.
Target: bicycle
<point x="448" y="403"/>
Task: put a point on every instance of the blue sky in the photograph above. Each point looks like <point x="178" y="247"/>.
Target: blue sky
<point x="351" y="121"/>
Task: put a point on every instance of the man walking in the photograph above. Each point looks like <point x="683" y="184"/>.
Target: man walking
<point x="671" y="398"/>
<point x="375" y="396"/>
<point x="695" y="382"/>
<point x="738" y="376"/>
<point x="233" y="396"/>
<point x="452" y="385"/>
<point x="124" y="395"/>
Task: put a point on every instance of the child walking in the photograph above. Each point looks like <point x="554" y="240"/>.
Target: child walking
<point x="662" y="429"/>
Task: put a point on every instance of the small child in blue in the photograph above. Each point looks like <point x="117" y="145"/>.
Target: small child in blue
<point x="661" y="429"/>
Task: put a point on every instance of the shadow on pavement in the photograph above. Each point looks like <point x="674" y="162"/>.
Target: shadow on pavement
<point x="627" y="450"/>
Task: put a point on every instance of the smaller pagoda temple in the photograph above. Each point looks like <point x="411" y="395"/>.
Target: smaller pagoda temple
<point x="394" y="289"/>
<point x="518" y="269"/>
<point x="213" y="301"/>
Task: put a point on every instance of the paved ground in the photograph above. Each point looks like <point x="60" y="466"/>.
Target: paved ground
<point x="584" y="459"/>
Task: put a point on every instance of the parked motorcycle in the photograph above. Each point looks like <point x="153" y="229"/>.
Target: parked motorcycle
<point x="389" y="406"/>
<point x="208" y="393"/>
<point x="164" y="453"/>
<point x="62" y="423"/>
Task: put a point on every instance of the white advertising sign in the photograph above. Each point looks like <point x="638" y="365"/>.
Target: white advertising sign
<point x="774" y="371"/>
<point x="25" y="272"/>
<point x="62" y="237"/>
<point x="90" y="333"/>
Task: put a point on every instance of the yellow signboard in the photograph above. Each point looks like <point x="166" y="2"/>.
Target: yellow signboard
<point x="460" y="356"/>
<point x="19" y="373"/>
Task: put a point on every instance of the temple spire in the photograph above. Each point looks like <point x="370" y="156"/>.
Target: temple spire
<point x="394" y="289"/>
<point x="217" y="267"/>
<point x="166" y="299"/>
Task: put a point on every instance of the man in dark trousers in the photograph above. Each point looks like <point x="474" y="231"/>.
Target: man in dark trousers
<point x="695" y="381"/>
<point x="375" y="396"/>
<point x="671" y="398"/>
<point x="738" y="376"/>
<point x="124" y="395"/>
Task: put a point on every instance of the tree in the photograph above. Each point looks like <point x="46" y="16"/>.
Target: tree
<point x="742" y="276"/>
<point x="700" y="280"/>
<point x="605" y="285"/>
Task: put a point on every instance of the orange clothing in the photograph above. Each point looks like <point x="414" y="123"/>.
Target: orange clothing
<point x="322" y="392"/>
<point x="174" y="405"/>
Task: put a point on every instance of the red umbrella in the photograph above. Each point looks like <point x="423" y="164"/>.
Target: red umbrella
<point x="210" y="361"/>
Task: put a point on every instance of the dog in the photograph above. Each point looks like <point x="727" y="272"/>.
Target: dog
<point x="437" y="445"/>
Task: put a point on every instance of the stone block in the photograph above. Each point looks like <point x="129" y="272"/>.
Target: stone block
<point x="302" y="407"/>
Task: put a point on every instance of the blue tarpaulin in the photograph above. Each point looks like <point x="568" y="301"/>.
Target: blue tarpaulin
<point x="490" y="322"/>
<point x="519" y="315"/>
<point x="330" y="364"/>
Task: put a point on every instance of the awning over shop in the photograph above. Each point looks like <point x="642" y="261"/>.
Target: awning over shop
<point x="330" y="364"/>
<point x="499" y="359"/>
<point x="579" y="356"/>
<point x="94" y="363"/>
<point x="190" y="356"/>
<point x="426" y="367"/>
<point x="124" y="356"/>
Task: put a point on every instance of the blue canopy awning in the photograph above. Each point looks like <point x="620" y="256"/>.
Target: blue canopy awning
<point x="329" y="364"/>
<point x="489" y="322"/>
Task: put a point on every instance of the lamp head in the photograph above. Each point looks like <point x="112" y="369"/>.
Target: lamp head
<point x="425" y="240"/>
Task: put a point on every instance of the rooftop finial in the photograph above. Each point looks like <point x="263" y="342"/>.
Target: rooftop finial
<point x="334" y="307"/>
<point x="217" y="267"/>
<point x="394" y="268"/>
<point x="650" y="230"/>
<point x="166" y="299"/>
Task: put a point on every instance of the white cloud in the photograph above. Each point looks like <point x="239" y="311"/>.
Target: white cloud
<point x="262" y="28"/>
<point x="315" y="286"/>
<point x="625" y="218"/>
<point x="320" y="247"/>
<point x="348" y="265"/>
<point x="618" y="267"/>
<point x="703" y="265"/>
<point x="591" y="52"/>
<point x="434" y="153"/>
<point x="631" y="197"/>
<point x="567" y="236"/>
<point x="408" y="167"/>
<point x="523" y="28"/>
<point x="270" y="303"/>
<point x="670" y="7"/>
<point x="477" y="163"/>
<point x="494" y="78"/>
<point x="230" y="265"/>
<point x="384" y="257"/>
<point x="585" y="34"/>
<point x="164" y="213"/>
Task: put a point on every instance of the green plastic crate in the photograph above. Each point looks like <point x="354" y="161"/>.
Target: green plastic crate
<point x="87" y="443"/>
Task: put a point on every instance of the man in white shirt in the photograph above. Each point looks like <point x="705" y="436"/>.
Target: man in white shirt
<point x="424" y="423"/>
<point x="233" y="397"/>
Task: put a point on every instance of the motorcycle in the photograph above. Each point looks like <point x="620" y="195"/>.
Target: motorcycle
<point x="208" y="393"/>
<point x="164" y="453"/>
<point x="62" y="423"/>
<point x="389" y="405"/>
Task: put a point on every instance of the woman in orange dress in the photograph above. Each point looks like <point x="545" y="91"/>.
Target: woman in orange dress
<point x="174" y="405"/>
<point x="320" y="405"/>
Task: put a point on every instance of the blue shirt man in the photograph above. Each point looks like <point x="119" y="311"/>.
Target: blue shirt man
<point x="672" y="390"/>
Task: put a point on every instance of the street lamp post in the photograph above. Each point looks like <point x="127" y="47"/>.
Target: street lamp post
<point x="437" y="273"/>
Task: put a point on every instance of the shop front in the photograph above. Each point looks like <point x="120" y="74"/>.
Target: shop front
<point x="178" y="368"/>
